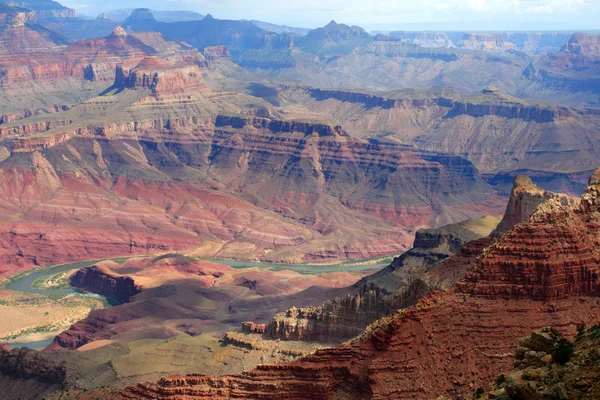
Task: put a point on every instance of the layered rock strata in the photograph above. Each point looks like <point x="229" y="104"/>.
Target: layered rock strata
<point x="464" y="332"/>
<point x="99" y="280"/>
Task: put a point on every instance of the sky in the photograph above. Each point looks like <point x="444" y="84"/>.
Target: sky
<point x="383" y="14"/>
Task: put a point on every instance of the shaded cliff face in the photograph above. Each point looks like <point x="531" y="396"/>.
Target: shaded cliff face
<point x="405" y="281"/>
<point x="98" y="280"/>
<point x="236" y="35"/>
<point x="186" y="296"/>
<point x="464" y="332"/>
<point x="25" y="363"/>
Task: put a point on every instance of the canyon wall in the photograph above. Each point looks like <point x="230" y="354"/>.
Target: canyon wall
<point x="468" y="333"/>
<point x="98" y="280"/>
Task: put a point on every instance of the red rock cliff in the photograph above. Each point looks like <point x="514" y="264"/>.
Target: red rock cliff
<point x="98" y="280"/>
<point x="451" y="342"/>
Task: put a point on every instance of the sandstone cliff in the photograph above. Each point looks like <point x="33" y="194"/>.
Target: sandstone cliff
<point x="25" y="363"/>
<point x="97" y="279"/>
<point x="523" y="201"/>
<point x="400" y="285"/>
<point x="161" y="77"/>
<point x="463" y="332"/>
<point x="584" y="44"/>
<point x="498" y="42"/>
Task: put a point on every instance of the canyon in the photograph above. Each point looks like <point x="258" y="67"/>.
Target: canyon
<point x="439" y="258"/>
<point x="464" y="323"/>
<point x="244" y="179"/>
<point x="251" y="210"/>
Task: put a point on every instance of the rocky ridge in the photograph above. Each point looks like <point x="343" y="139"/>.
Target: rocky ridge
<point x="97" y="279"/>
<point x="410" y="277"/>
<point x="487" y="41"/>
<point x="401" y="355"/>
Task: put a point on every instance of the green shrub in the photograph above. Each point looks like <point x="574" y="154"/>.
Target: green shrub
<point x="500" y="379"/>
<point x="562" y="352"/>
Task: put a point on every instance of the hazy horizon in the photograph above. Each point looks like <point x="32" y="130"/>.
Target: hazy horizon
<point x="481" y="15"/>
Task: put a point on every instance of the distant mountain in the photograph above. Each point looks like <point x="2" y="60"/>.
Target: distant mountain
<point x="46" y="8"/>
<point x="267" y="26"/>
<point x="19" y="33"/>
<point x="528" y="42"/>
<point x="161" y="16"/>
<point x="238" y="36"/>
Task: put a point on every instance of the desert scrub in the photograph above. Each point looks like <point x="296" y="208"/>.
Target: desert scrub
<point x="56" y="281"/>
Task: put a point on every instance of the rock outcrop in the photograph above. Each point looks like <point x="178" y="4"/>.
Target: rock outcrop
<point x="239" y="162"/>
<point x="487" y="41"/>
<point x="181" y="295"/>
<point x="159" y="76"/>
<point x="91" y="60"/>
<point x="25" y="363"/>
<point x="583" y="44"/>
<point x="525" y="197"/>
<point x="251" y="327"/>
<point x="97" y="279"/>
<point x="216" y="52"/>
<point x="20" y="33"/>
<point x="549" y="366"/>
<point x="463" y="332"/>
<point x="405" y="281"/>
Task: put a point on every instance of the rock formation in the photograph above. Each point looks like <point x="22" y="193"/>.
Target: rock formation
<point x="46" y="9"/>
<point x="463" y="332"/>
<point x="242" y="162"/>
<point x="487" y="41"/>
<point x="400" y="285"/>
<point x="525" y="197"/>
<point x="25" y="363"/>
<point x="159" y="76"/>
<point x="548" y="366"/>
<point x="183" y="296"/>
<point x="584" y="44"/>
<point x="479" y="122"/>
<point x="99" y="280"/>
<point x="19" y="33"/>
<point x="216" y="52"/>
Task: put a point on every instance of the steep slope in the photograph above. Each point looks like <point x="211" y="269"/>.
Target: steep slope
<point x="315" y="212"/>
<point x="574" y="70"/>
<point x="204" y="172"/>
<point x="550" y="366"/>
<point x="499" y="133"/>
<point x="405" y="281"/>
<point x="236" y="35"/>
<point x="79" y="71"/>
<point x="520" y="283"/>
<point x="409" y="277"/>
<point x="20" y="33"/>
